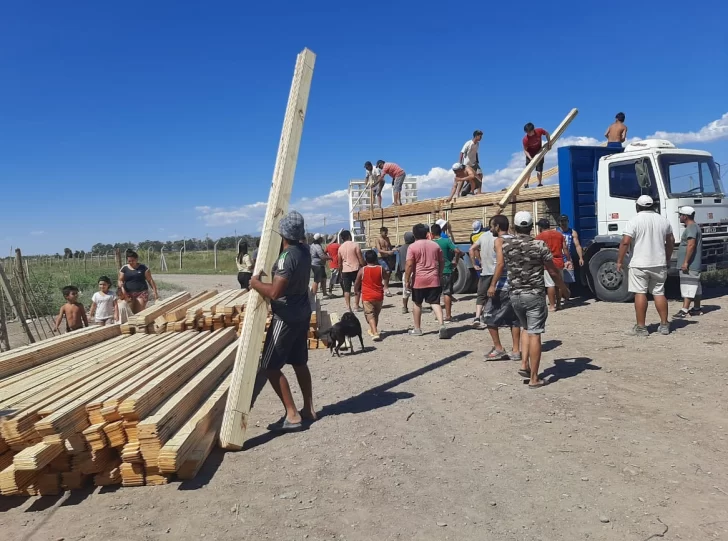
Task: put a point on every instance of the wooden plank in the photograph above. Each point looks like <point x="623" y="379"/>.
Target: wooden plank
<point x="181" y="311"/>
<point x="10" y="295"/>
<point x="526" y="173"/>
<point x="235" y="420"/>
<point x="148" y="315"/>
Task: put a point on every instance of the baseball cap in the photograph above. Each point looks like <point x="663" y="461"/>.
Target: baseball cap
<point x="686" y="210"/>
<point x="441" y="222"/>
<point x="409" y="237"/>
<point x="544" y="223"/>
<point x="457" y="166"/>
<point x="523" y="219"/>
<point x="316" y="236"/>
<point x="291" y="226"/>
<point x="563" y="218"/>
<point x="477" y="226"/>
<point x="645" y="201"/>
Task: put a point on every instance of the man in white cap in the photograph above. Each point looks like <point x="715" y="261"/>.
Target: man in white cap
<point x="649" y="239"/>
<point x="477" y="231"/>
<point x="318" y="264"/>
<point x="689" y="259"/>
<point x="445" y="227"/>
<point x="286" y="341"/>
<point x="526" y="258"/>
<point x="463" y="173"/>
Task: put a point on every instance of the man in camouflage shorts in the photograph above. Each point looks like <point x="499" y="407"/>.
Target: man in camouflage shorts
<point x="526" y="258"/>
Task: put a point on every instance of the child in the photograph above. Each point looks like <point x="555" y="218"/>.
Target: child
<point x="103" y="303"/>
<point x="369" y="281"/>
<point x="73" y="311"/>
<point x="121" y="312"/>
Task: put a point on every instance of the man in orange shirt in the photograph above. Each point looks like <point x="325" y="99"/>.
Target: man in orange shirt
<point x="556" y="243"/>
<point x="332" y="250"/>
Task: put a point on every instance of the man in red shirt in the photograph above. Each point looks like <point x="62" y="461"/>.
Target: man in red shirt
<point x="556" y="243"/>
<point x="532" y="146"/>
<point x="333" y="251"/>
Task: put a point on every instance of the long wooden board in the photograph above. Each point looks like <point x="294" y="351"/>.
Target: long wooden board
<point x="235" y="420"/>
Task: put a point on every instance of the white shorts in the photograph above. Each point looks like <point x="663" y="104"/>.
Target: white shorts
<point x="548" y="281"/>
<point x="690" y="287"/>
<point x="647" y="280"/>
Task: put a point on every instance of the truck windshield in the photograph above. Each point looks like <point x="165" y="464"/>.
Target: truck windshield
<point x="690" y="175"/>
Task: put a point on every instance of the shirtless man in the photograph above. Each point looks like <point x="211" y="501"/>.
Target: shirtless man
<point x="616" y="133"/>
<point x="463" y="173"/>
<point x="384" y="247"/>
<point x="376" y="180"/>
<point x="73" y="311"/>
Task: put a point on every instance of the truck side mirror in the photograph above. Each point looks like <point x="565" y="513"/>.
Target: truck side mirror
<point x="643" y="174"/>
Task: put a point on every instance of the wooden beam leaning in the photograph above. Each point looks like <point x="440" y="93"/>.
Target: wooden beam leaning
<point x="526" y="173"/>
<point x="10" y="295"/>
<point x="237" y="409"/>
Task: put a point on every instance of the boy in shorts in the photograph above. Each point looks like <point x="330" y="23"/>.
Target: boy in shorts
<point x="370" y="281"/>
<point x="73" y="311"/>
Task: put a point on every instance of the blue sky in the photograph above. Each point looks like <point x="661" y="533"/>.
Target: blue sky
<point x="157" y="120"/>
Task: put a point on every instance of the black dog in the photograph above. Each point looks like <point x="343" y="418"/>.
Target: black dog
<point x="335" y="337"/>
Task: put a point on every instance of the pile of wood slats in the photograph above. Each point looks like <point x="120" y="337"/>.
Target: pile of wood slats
<point x="99" y="407"/>
<point x="144" y="321"/>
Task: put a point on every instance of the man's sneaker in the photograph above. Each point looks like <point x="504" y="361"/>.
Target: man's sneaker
<point x="696" y="312"/>
<point x="639" y="331"/>
<point x="443" y="332"/>
<point x="664" y="329"/>
<point x="405" y="310"/>
<point x="682" y="314"/>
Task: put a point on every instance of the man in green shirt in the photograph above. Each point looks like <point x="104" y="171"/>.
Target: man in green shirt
<point x="689" y="259"/>
<point x="452" y="255"/>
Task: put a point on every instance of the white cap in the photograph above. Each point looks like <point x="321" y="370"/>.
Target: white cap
<point x="645" y="201"/>
<point x="686" y="210"/>
<point x="457" y="166"/>
<point x="477" y="226"/>
<point x="523" y="219"/>
<point x="441" y="222"/>
<point x="316" y="236"/>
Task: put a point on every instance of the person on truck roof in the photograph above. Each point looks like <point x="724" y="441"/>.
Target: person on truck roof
<point x="469" y="154"/>
<point x="375" y="179"/>
<point x="616" y="133"/>
<point x="398" y="175"/>
<point x="532" y="145"/>
<point x="648" y="236"/>
<point x="463" y="174"/>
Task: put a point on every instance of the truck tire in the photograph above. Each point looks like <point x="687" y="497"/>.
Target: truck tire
<point x="609" y="285"/>
<point x="461" y="278"/>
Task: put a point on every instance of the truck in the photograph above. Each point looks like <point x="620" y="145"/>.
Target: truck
<point x="597" y="189"/>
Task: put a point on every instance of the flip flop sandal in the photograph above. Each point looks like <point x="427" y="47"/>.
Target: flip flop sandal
<point x="286" y="426"/>
<point x="541" y="383"/>
<point x="495" y="355"/>
<point x="524" y="373"/>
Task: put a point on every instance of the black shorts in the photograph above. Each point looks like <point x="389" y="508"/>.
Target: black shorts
<point x="539" y="165"/>
<point x="499" y="311"/>
<point x="285" y="343"/>
<point x="244" y="279"/>
<point x="447" y="284"/>
<point x="430" y="295"/>
<point x="483" y="285"/>
<point x="347" y="280"/>
<point x="319" y="273"/>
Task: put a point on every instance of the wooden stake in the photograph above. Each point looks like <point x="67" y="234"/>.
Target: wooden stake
<point x="526" y="173"/>
<point x="5" y="283"/>
<point x="237" y="409"/>
<point x="4" y="338"/>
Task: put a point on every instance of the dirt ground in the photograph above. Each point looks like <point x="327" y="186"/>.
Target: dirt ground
<point x="420" y="438"/>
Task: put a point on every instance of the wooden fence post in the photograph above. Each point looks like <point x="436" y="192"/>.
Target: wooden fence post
<point x="10" y="295"/>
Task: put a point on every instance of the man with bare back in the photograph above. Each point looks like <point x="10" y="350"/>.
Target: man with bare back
<point x="385" y="251"/>
<point x="616" y="133"/>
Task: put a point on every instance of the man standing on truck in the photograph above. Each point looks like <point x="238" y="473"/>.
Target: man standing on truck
<point x="452" y="255"/>
<point x="398" y="175"/>
<point x="648" y="236"/>
<point x="532" y="145"/>
<point x="689" y="258"/>
<point x="616" y="133"/>
<point x="469" y="154"/>
<point x="556" y="243"/>
<point x="384" y="247"/>
<point x="375" y="179"/>
<point x="526" y="258"/>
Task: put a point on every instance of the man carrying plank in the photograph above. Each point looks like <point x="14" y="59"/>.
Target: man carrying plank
<point x="286" y="341"/>
<point x="532" y="145"/>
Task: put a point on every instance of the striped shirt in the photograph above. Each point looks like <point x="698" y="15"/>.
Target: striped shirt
<point x="393" y="170"/>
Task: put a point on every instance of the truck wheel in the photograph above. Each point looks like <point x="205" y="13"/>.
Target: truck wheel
<point x="609" y="284"/>
<point x="461" y="278"/>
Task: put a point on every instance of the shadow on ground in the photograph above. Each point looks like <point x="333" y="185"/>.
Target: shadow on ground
<point x="568" y="368"/>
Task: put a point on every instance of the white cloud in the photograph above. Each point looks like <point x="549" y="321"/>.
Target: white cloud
<point x="334" y="207"/>
<point x="37" y="233"/>
<point x="174" y="236"/>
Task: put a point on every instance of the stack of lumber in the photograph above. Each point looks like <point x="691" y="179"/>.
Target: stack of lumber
<point x="200" y="316"/>
<point x="144" y="321"/>
<point x="174" y="320"/>
<point x="134" y="409"/>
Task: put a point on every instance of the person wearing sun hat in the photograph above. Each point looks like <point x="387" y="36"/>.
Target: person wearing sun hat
<point x="649" y="239"/>
<point x="286" y="341"/>
<point x="689" y="259"/>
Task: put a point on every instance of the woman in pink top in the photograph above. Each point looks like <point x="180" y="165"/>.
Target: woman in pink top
<point x="425" y="263"/>
<point x="398" y="175"/>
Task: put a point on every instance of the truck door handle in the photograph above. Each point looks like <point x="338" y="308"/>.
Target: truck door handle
<point x="613" y="227"/>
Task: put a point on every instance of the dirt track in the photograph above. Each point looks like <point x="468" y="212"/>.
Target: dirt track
<point x="421" y="439"/>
